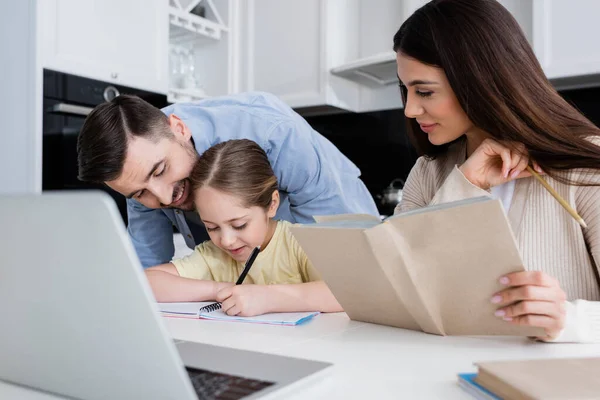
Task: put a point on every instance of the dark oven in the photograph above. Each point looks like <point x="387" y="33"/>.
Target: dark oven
<point x="68" y="99"/>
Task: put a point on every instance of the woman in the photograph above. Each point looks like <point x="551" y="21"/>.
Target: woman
<point x="480" y="110"/>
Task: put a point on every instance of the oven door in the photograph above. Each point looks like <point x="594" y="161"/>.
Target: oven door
<point x="62" y="122"/>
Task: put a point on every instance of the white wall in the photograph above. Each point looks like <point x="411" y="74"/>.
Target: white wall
<point x="20" y="99"/>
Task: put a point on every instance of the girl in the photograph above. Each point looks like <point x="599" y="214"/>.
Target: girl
<point x="480" y="110"/>
<point x="236" y="196"/>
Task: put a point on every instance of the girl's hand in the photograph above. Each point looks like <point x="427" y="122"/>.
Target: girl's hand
<point x="218" y="286"/>
<point x="244" y="300"/>
<point x="493" y="164"/>
<point x="533" y="298"/>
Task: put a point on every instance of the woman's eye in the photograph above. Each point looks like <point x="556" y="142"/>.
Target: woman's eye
<point x="211" y="229"/>
<point x="423" y="94"/>
<point x="161" y="172"/>
<point x="239" y="228"/>
<point x="140" y="194"/>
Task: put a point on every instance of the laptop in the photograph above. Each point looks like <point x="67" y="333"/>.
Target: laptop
<point x="79" y="319"/>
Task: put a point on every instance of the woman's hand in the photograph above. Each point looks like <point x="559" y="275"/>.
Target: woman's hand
<point x="493" y="164"/>
<point x="244" y="300"/>
<point x="532" y="298"/>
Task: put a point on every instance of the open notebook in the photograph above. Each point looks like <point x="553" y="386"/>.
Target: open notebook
<point x="190" y="310"/>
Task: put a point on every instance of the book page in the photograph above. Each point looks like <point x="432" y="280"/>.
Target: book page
<point x="456" y="255"/>
<point x="349" y="267"/>
<point x="388" y="249"/>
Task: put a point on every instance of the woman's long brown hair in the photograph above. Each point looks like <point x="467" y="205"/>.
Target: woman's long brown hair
<point x="499" y="83"/>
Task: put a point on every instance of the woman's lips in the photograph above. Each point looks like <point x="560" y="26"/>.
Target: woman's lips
<point x="427" y="128"/>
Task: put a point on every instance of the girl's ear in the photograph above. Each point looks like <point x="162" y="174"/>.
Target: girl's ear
<point x="274" y="204"/>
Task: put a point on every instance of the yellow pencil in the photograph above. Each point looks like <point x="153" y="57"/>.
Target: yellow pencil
<point x="562" y="201"/>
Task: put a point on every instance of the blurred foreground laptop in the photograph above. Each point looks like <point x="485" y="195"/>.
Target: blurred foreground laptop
<point x="79" y="319"/>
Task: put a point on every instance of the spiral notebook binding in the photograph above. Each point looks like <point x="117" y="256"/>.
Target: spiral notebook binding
<point x="209" y="308"/>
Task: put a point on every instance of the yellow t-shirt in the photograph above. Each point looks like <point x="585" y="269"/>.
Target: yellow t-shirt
<point x="282" y="261"/>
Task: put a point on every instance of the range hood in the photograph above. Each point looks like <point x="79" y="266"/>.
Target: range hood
<point x="373" y="71"/>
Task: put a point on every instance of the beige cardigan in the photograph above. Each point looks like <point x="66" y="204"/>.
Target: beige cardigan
<point x="549" y="239"/>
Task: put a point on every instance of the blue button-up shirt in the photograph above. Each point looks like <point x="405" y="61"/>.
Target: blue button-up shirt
<point x="314" y="177"/>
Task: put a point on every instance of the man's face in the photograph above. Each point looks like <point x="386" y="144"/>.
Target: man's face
<point x="156" y="173"/>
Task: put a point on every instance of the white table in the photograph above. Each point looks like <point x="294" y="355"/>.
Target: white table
<point x="371" y="361"/>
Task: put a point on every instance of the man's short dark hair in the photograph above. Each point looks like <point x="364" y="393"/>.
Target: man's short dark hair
<point x="102" y="141"/>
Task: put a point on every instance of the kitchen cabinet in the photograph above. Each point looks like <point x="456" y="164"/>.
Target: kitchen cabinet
<point x="123" y="42"/>
<point x="565" y="39"/>
<point x="288" y="47"/>
<point x="561" y="33"/>
<point x="21" y="102"/>
<point x="202" y="50"/>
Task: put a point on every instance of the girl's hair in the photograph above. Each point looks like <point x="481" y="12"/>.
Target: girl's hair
<point x="498" y="82"/>
<point x="239" y="168"/>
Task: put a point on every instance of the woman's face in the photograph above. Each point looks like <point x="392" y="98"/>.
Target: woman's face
<point x="431" y="101"/>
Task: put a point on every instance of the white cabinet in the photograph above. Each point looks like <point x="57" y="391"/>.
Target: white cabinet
<point x="21" y="102"/>
<point x="288" y="47"/>
<point x="561" y="33"/>
<point x="375" y="67"/>
<point x="565" y="37"/>
<point x="201" y="55"/>
<point x="123" y="42"/>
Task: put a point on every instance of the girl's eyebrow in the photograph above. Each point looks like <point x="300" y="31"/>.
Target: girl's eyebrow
<point x="230" y="220"/>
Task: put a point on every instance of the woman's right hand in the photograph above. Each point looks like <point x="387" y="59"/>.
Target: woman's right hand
<point x="493" y="164"/>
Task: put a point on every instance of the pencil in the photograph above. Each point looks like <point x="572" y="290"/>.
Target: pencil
<point x="562" y="201"/>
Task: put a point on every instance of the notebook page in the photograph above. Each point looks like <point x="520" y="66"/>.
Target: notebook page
<point x="190" y="310"/>
<point x="271" y="319"/>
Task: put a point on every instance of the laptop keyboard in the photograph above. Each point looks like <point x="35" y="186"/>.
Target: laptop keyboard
<point x="213" y="385"/>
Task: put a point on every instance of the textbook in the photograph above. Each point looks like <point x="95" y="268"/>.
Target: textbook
<point x="556" y="378"/>
<point x="468" y="384"/>
<point x="433" y="269"/>
<point x="191" y="310"/>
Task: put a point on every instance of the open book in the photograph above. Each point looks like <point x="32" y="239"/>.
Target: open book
<point x="191" y="310"/>
<point x="433" y="269"/>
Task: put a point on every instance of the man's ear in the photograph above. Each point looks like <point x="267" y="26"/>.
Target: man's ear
<point x="274" y="204"/>
<point x="179" y="128"/>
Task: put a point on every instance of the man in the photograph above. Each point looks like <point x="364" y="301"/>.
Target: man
<point x="147" y="155"/>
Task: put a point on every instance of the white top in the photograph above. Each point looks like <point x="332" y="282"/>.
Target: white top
<point x="504" y="192"/>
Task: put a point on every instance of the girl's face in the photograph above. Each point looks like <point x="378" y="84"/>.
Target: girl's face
<point x="233" y="227"/>
<point x="431" y="101"/>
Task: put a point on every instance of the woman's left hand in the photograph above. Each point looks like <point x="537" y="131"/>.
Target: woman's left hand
<point x="532" y="298"/>
<point x="244" y="300"/>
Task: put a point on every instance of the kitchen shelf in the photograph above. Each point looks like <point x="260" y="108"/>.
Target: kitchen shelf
<point x="374" y="71"/>
<point x="176" y="95"/>
<point x="186" y="27"/>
